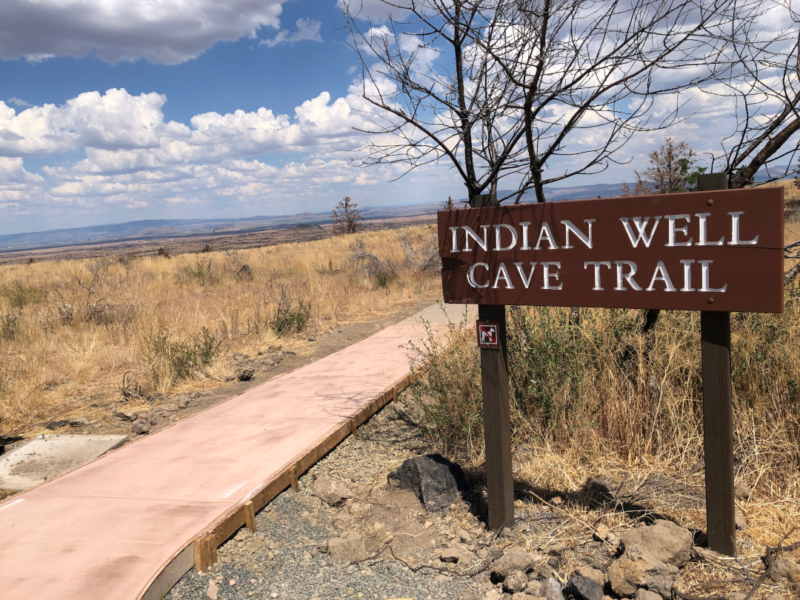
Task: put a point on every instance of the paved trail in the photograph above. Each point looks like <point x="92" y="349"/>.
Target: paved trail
<point x="105" y="530"/>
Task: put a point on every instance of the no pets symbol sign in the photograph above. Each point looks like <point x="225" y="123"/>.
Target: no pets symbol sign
<point x="488" y="336"/>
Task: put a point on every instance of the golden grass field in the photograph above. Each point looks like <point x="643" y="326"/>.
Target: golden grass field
<point x="71" y="330"/>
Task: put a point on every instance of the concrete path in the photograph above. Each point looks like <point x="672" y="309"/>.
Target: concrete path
<point x="108" y="528"/>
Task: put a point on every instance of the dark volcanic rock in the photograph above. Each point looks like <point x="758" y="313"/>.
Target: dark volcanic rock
<point x="246" y="375"/>
<point x="583" y="588"/>
<point x="435" y="480"/>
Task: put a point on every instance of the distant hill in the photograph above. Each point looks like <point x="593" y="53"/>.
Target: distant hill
<point x="140" y="230"/>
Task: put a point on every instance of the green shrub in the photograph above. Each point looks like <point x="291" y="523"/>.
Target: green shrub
<point x="9" y="326"/>
<point x="383" y="278"/>
<point x="172" y="360"/>
<point x="202" y="272"/>
<point x="290" y="317"/>
<point x="20" y="295"/>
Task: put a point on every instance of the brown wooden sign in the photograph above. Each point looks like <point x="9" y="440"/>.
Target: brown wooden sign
<point x="714" y="250"/>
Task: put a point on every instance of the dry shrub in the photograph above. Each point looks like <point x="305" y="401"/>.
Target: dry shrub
<point x="588" y="382"/>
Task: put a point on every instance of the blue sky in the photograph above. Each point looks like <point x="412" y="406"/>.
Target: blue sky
<point x="118" y="110"/>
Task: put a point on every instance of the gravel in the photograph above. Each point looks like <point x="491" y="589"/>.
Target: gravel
<point x="284" y="560"/>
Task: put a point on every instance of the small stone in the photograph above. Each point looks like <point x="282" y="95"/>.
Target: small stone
<point x="347" y="549"/>
<point x="556" y="501"/>
<point x="643" y="594"/>
<point x="127" y="416"/>
<point x="523" y="596"/>
<point x="493" y="595"/>
<point x="141" y="426"/>
<point x="775" y="596"/>
<point x="515" y="582"/>
<point x="551" y="589"/>
<point x="213" y="590"/>
<point x="457" y="555"/>
<point x="736" y="596"/>
<point x="463" y="535"/>
<point x="583" y="588"/>
<point x="246" y="375"/>
<point x="80" y="422"/>
<point x="786" y="568"/>
<point x="601" y="532"/>
<point x="331" y="491"/>
<point x="514" y="559"/>
<point x="545" y="571"/>
<point x="554" y="549"/>
<point x="312" y="338"/>
<point x="184" y="403"/>
<point x="741" y="522"/>
<point x="742" y="491"/>
<point x="534" y="588"/>
<point x="232" y="582"/>
<point x="595" y="575"/>
<point x="57" y="424"/>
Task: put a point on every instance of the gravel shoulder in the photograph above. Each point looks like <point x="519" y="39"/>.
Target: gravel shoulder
<point x="286" y="557"/>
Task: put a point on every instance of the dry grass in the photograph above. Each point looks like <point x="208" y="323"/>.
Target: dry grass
<point x="71" y="330"/>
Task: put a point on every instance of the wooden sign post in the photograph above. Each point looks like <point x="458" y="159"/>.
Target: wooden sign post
<point x="496" y="409"/>
<point x="713" y="251"/>
<point x="715" y="334"/>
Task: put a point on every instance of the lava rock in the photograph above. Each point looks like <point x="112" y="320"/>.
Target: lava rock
<point x="786" y="568"/>
<point x="456" y="554"/>
<point x="515" y="582"/>
<point x="551" y="589"/>
<point x="514" y="559"/>
<point x="141" y="426"/>
<point x="639" y="568"/>
<point x="583" y="588"/>
<point x="331" y="491"/>
<point x="246" y="375"/>
<point x="595" y="575"/>
<point x="664" y="540"/>
<point x="347" y="549"/>
<point x="436" y="481"/>
<point x="127" y="416"/>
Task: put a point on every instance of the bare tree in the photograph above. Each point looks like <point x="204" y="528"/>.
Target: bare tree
<point x="672" y="170"/>
<point x="346" y="217"/>
<point x="532" y="91"/>
<point x="762" y="79"/>
<point x="449" y="205"/>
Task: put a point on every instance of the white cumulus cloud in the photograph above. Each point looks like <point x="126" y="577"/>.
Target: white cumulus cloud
<point x="307" y="30"/>
<point x="160" y="31"/>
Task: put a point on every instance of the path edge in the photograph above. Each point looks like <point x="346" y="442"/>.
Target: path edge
<point x="201" y="552"/>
